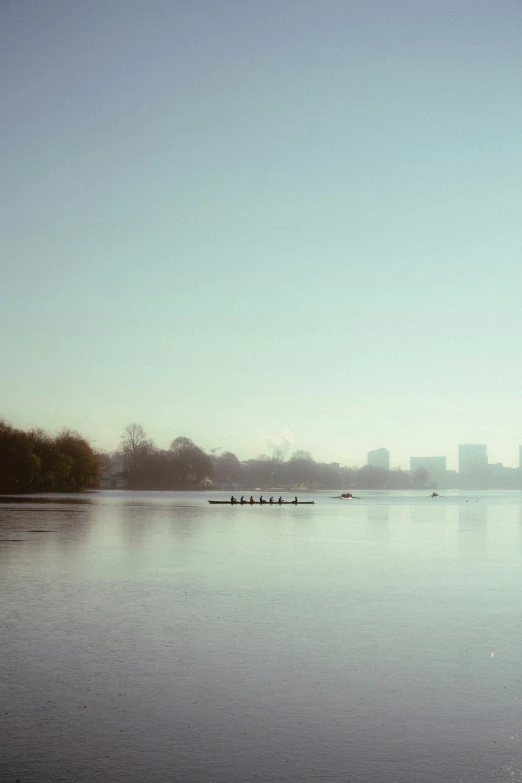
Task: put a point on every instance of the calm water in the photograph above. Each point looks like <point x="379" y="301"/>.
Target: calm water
<point x="150" y="637"/>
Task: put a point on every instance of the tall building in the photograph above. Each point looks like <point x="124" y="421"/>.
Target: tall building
<point x="379" y="458"/>
<point x="436" y="466"/>
<point x="473" y="458"/>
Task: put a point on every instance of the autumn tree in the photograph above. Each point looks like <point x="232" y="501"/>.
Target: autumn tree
<point x="34" y="461"/>
<point x="55" y="465"/>
<point x="83" y="470"/>
<point x="19" y="465"/>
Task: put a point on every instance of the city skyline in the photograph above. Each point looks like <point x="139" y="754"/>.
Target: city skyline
<point x="284" y="445"/>
<point x="384" y="457"/>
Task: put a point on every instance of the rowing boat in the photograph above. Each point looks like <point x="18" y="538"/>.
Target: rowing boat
<point x="264" y="503"/>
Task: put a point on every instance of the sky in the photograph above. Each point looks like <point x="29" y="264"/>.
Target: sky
<point x="260" y="222"/>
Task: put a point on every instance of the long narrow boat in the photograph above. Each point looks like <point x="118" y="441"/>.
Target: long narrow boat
<point x="264" y="503"/>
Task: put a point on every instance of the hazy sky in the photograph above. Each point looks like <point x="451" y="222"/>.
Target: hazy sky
<point x="232" y="219"/>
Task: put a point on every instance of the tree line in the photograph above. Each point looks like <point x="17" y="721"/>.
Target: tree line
<point x="35" y="461"/>
<point x="185" y="465"/>
<point x="302" y="470"/>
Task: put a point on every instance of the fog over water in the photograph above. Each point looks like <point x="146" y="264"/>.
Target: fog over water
<point x="153" y="637"/>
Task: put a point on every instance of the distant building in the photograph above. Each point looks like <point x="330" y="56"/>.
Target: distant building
<point x="106" y="478"/>
<point x="436" y="467"/>
<point x="114" y="475"/>
<point x="379" y="458"/>
<point x="500" y="477"/>
<point x="450" y="480"/>
<point x="473" y="459"/>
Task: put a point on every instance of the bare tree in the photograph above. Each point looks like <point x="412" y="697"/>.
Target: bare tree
<point x="135" y="445"/>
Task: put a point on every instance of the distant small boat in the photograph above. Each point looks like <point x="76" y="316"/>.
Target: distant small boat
<point x="264" y="503"/>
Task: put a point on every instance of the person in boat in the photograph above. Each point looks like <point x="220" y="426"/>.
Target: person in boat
<point x="434" y="495"/>
<point x="295" y="499"/>
<point x="280" y="500"/>
<point x="261" y="499"/>
<point x="271" y="499"/>
<point x="242" y="500"/>
<point x="346" y="495"/>
<point x="252" y="499"/>
<point x="233" y="500"/>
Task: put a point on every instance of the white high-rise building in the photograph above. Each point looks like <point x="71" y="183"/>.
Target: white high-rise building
<point x="379" y="458"/>
<point x="473" y="458"/>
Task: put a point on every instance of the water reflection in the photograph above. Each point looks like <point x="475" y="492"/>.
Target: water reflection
<point x="60" y="528"/>
<point x="42" y="499"/>
<point x="378" y="520"/>
<point x="473" y="526"/>
<point x="145" y="522"/>
<point x="152" y="638"/>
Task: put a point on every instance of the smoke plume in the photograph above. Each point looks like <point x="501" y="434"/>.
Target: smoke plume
<point x="280" y="445"/>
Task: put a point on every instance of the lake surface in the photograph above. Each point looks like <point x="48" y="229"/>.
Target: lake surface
<point x="151" y="637"/>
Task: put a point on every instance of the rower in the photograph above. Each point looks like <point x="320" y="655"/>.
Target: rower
<point x="271" y="499"/>
<point x="242" y="499"/>
<point x="261" y="499"/>
<point x="295" y="499"/>
<point x="233" y="500"/>
<point x="280" y="500"/>
<point x="252" y="499"/>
